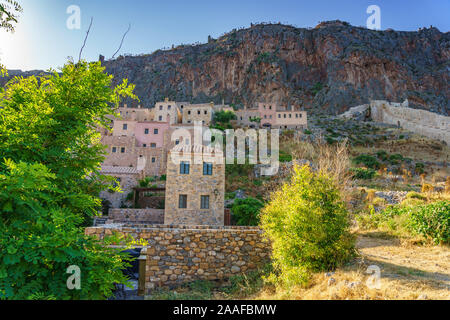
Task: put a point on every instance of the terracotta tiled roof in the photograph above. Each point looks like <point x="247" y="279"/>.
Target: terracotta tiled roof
<point x="127" y="170"/>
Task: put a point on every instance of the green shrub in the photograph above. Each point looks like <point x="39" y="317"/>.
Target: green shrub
<point x="163" y="177"/>
<point x="395" y="158"/>
<point x="285" y="157"/>
<point x="363" y="173"/>
<point x="308" y="225"/>
<point x="432" y="221"/>
<point x="382" y="155"/>
<point x="307" y="131"/>
<point x="367" y="160"/>
<point x="415" y="195"/>
<point x="419" y="168"/>
<point x="246" y="211"/>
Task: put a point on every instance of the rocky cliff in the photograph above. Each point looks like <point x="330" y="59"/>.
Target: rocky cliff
<point x="329" y="68"/>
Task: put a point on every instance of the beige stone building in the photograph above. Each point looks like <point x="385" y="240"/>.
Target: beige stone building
<point x="195" y="189"/>
<point x="274" y="116"/>
<point x="137" y="114"/>
<point x="168" y="111"/>
<point x="198" y="112"/>
<point x="127" y="178"/>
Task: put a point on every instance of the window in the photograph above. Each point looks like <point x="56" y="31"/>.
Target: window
<point x="116" y="183"/>
<point x="144" y="145"/>
<point x="184" y="167"/>
<point x="265" y="116"/>
<point x="284" y="115"/>
<point x="204" y="202"/>
<point x="290" y="115"/>
<point x="279" y="115"/>
<point x="270" y="116"/>
<point x="152" y="145"/>
<point x="198" y="111"/>
<point x="207" y="168"/>
<point x="155" y="131"/>
<point x="186" y="141"/>
<point x="122" y="150"/>
<point x="182" y="201"/>
<point x="153" y="160"/>
<point x="241" y="118"/>
<point x="206" y="111"/>
<point x="296" y="115"/>
<point x="270" y="107"/>
<point x="300" y="115"/>
<point x="189" y="111"/>
<point x="177" y="142"/>
<point x="160" y="107"/>
<point x="169" y="107"/>
<point x="160" y="118"/>
<point x="125" y="126"/>
<point x="114" y="149"/>
<point x="146" y="131"/>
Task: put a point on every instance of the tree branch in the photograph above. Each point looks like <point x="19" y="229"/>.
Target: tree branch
<point x="84" y="43"/>
<point x="129" y="27"/>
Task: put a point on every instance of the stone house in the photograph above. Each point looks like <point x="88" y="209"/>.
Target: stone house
<point x="198" y="112"/>
<point x="150" y="134"/>
<point x="195" y="186"/>
<point x="127" y="178"/>
<point x="167" y="111"/>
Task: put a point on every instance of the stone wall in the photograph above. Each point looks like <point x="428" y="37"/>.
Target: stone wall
<point x="149" y="216"/>
<point x="419" y="121"/>
<point x="180" y="254"/>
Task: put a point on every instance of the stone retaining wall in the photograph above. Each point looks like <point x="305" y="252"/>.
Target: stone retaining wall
<point x="180" y="254"/>
<point x="151" y="216"/>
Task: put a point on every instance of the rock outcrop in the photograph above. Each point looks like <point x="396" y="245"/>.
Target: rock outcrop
<point x="329" y="68"/>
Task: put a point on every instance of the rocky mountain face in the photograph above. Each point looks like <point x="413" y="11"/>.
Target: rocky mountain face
<point x="326" y="69"/>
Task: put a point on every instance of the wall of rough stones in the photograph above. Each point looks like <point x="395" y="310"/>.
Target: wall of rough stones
<point x="150" y="216"/>
<point x="180" y="254"/>
<point x="423" y="122"/>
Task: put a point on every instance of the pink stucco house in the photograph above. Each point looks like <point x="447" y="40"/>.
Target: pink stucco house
<point x="150" y="134"/>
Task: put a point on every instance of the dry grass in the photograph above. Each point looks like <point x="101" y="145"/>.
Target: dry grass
<point x="407" y="272"/>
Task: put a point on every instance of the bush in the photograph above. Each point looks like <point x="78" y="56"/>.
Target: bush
<point x="367" y="160"/>
<point x="395" y="159"/>
<point x="415" y="195"/>
<point x="285" y="157"/>
<point x="246" y="211"/>
<point x="224" y="117"/>
<point x="308" y="225"/>
<point x="432" y="221"/>
<point x="382" y="155"/>
<point x="363" y="173"/>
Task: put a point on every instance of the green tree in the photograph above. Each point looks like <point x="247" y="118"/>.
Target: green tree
<point x="224" y="117"/>
<point x="50" y="181"/>
<point x="9" y="12"/>
<point x="246" y="211"/>
<point x="308" y="226"/>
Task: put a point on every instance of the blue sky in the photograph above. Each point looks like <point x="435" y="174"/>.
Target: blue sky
<point x="42" y="39"/>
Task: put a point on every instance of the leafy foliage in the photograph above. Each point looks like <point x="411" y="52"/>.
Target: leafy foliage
<point x="9" y="11"/>
<point x="367" y="160"/>
<point x="432" y="221"/>
<point x="224" y="117"/>
<point x="363" y="173"/>
<point x="308" y="226"/>
<point x="50" y="181"/>
<point x="40" y="239"/>
<point x="246" y="211"/>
